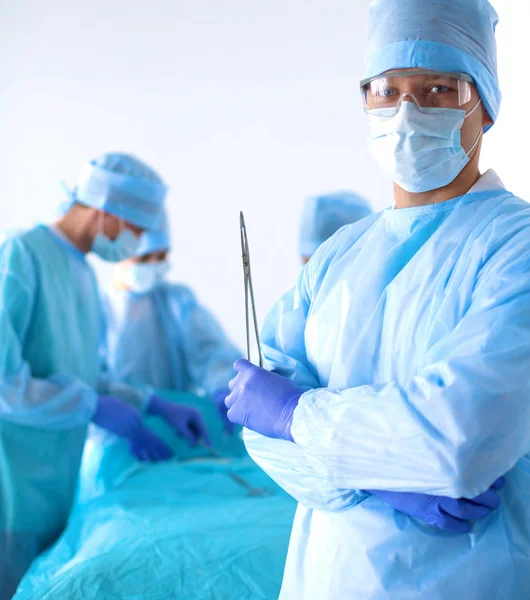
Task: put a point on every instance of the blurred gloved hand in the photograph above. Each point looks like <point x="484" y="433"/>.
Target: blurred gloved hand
<point x="262" y="401"/>
<point x="218" y="398"/>
<point x="187" y="422"/>
<point x="125" y="421"/>
<point x="147" y="446"/>
<point x="448" y="514"/>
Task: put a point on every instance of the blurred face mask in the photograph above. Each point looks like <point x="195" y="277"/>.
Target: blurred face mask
<point x="143" y="277"/>
<point x="420" y="150"/>
<point x="123" y="247"/>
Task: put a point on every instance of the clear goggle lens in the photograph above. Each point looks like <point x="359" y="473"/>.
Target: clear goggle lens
<point x="427" y="89"/>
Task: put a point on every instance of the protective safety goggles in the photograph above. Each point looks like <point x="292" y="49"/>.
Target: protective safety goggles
<point x="426" y="88"/>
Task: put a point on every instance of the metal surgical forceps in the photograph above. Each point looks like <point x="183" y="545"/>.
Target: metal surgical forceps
<point x="249" y="290"/>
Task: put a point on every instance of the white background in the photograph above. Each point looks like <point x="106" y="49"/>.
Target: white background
<point x="239" y="104"/>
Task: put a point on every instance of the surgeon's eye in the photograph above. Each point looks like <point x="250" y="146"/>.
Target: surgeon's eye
<point x="385" y="92"/>
<point x="439" y="89"/>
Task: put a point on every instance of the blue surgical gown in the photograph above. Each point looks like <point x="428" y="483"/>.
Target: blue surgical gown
<point x="164" y="338"/>
<point x="50" y="366"/>
<point x="410" y="331"/>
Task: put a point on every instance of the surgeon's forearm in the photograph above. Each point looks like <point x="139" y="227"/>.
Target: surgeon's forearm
<point x="138" y="397"/>
<point x="60" y="401"/>
<point x="384" y="438"/>
<point x="286" y="463"/>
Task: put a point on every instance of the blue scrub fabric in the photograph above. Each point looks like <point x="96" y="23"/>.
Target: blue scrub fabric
<point x="166" y="339"/>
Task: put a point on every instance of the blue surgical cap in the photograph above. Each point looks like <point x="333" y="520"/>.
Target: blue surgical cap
<point x="326" y="214"/>
<point x="124" y="186"/>
<point x="155" y="239"/>
<point x="455" y="36"/>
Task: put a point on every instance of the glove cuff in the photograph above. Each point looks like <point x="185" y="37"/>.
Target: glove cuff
<point x="288" y="402"/>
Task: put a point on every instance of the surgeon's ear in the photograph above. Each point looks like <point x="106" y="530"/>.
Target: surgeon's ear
<point x="109" y="224"/>
<point x="486" y="119"/>
<point x="94" y="218"/>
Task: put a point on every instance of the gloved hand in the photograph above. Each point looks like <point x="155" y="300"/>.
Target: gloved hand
<point x="262" y="401"/>
<point x="147" y="446"/>
<point x="125" y="421"/>
<point x="448" y="514"/>
<point x="186" y="421"/>
<point x="218" y="398"/>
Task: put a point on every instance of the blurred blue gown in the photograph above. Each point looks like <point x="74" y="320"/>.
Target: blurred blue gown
<point x="411" y="331"/>
<point x="50" y="367"/>
<point x="165" y="339"/>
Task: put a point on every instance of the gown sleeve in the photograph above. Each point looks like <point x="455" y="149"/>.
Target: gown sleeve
<point x="58" y="401"/>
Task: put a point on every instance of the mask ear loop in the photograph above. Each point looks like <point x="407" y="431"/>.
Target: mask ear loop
<point x="473" y="109"/>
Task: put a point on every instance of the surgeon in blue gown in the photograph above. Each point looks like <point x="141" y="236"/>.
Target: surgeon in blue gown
<point x="324" y="215"/>
<point x="159" y="335"/>
<point x="401" y="385"/>
<point x="53" y="381"/>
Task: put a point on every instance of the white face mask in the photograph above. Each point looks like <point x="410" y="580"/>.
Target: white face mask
<point x="144" y="277"/>
<point x="420" y="150"/>
<point x="123" y="247"/>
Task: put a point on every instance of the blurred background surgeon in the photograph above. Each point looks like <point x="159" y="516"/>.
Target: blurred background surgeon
<point x="52" y="380"/>
<point x="157" y="332"/>
<point x="324" y="215"/>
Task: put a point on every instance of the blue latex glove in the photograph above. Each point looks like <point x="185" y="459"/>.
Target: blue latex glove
<point x="218" y="398"/>
<point x="147" y="446"/>
<point x="262" y="401"/>
<point x="125" y="421"/>
<point x="448" y="514"/>
<point x="186" y="421"/>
